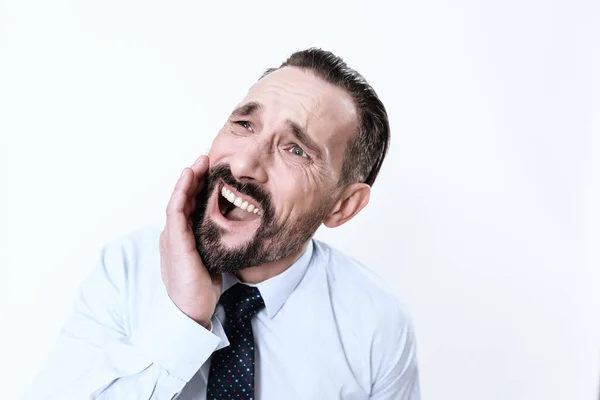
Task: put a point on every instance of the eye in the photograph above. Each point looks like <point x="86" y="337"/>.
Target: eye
<point x="244" y="124"/>
<point x="297" y="150"/>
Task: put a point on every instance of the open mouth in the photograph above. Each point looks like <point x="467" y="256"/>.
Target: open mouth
<point x="237" y="207"/>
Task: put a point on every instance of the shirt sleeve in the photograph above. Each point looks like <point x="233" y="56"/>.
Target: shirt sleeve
<point x="398" y="376"/>
<point x="96" y="356"/>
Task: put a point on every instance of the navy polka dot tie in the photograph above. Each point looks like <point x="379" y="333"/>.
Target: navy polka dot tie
<point x="232" y="368"/>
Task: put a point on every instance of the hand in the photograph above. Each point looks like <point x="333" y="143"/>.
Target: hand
<point x="189" y="284"/>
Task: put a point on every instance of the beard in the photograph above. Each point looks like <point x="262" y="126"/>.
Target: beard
<point x="271" y="241"/>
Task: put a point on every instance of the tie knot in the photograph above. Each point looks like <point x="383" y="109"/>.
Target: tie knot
<point x="242" y="301"/>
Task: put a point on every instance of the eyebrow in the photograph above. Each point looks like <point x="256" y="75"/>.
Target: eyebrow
<point x="247" y="109"/>
<point x="303" y="137"/>
<point x="299" y="132"/>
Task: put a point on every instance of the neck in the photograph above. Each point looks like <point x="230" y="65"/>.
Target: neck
<point x="263" y="272"/>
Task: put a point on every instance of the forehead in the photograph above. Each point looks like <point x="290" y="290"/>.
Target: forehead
<point x="326" y="112"/>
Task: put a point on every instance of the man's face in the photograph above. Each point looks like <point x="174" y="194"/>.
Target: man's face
<point x="281" y="153"/>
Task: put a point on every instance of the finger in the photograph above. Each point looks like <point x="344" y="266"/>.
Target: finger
<point x="176" y="218"/>
<point x="200" y="167"/>
<point x="195" y="186"/>
<point x="191" y="206"/>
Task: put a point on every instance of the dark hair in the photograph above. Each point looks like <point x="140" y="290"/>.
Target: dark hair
<point x="367" y="149"/>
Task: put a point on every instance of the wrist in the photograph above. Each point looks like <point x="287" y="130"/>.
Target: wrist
<point x="204" y="322"/>
<point x="207" y="326"/>
<point x="200" y="319"/>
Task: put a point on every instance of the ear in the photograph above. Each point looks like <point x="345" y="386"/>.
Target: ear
<point x="353" y="199"/>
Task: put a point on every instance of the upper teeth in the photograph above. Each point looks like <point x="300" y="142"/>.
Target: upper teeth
<point x="238" y="202"/>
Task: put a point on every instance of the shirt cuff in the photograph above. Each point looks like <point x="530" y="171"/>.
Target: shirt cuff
<point x="175" y="341"/>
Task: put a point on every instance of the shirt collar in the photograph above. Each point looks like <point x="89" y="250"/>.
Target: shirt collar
<point x="276" y="290"/>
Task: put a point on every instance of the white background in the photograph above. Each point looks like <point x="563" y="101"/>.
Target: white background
<point x="483" y="217"/>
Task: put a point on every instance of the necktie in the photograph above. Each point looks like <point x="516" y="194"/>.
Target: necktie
<point x="231" y="374"/>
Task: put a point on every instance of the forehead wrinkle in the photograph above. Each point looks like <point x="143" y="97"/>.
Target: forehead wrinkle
<point x="316" y="104"/>
<point x="311" y="105"/>
<point x="305" y="98"/>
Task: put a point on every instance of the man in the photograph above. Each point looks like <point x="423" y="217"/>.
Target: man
<point x="234" y="300"/>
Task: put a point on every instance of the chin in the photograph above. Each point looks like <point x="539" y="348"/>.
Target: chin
<point x="231" y="235"/>
<point x="235" y="240"/>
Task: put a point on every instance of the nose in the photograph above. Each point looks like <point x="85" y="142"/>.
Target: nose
<point x="249" y="164"/>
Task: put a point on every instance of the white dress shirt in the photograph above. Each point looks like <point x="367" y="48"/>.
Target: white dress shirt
<point x="330" y="329"/>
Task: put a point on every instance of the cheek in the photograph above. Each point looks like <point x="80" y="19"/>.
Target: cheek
<point x="291" y="193"/>
<point x="224" y="145"/>
<point x="217" y="145"/>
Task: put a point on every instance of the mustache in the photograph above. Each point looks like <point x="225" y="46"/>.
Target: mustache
<point x="256" y="192"/>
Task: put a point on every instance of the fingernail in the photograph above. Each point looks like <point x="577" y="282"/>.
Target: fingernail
<point x="183" y="172"/>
